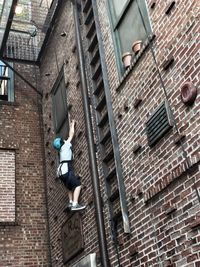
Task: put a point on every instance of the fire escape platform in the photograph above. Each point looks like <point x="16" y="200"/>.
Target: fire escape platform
<point x="24" y="28"/>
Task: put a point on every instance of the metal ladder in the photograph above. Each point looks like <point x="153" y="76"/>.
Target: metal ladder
<point x="106" y="132"/>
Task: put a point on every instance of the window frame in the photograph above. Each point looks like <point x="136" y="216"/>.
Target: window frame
<point x="58" y="128"/>
<point x="10" y="79"/>
<point x="122" y="14"/>
<point x="114" y="28"/>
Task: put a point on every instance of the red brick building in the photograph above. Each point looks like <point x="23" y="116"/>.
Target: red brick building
<point x="137" y="134"/>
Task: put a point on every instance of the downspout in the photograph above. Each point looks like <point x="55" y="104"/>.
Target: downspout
<point x="92" y="157"/>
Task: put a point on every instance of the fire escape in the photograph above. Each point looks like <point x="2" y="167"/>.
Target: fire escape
<point x="24" y="29"/>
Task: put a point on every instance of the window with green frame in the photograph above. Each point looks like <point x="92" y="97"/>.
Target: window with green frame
<point x="59" y="106"/>
<point x="127" y="25"/>
<point x="6" y="83"/>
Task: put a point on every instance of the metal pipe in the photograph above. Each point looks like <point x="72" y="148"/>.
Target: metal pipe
<point x="90" y="139"/>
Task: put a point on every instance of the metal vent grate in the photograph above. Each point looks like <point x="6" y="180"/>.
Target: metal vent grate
<point x="159" y="123"/>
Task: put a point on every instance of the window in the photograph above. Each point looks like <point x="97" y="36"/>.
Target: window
<point x="59" y="104"/>
<point x="127" y="24"/>
<point x="6" y="83"/>
<point x="7" y="186"/>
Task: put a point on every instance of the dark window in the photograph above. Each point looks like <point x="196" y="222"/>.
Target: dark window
<point x="6" y="83"/>
<point x="127" y="24"/>
<point x="59" y="102"/>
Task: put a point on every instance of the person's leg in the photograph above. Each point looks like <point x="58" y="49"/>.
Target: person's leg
<point x="76" y="194"/>
<point x="70" y="196"/>
<point x="75" y="185"/>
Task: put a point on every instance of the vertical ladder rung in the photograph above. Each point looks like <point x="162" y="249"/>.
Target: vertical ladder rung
<point x="93" y="44"/>
<point x="87" y="6"/>
<point x="103" y="120"/>
<point x="111" y="174"/>
<point x="97" y="72"/>
<point x="99" y="87"/>
<point x="105" y="137"/>
<point x="108" y="157"/>
<point x="114" y="196"/>
<point x="89" y="16"/>
<point x="91" y="30"/>
<point x="101" y="103"/>
<point x="95" y="57"/>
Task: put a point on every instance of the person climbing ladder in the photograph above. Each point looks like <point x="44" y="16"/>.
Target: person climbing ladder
<point x="65" y="171"/>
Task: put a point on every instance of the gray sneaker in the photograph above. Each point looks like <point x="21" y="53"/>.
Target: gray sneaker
<point x="68" y="207"/>
<point x="78" y="207"/>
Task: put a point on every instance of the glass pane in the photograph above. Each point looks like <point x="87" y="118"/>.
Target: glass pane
<point x="131" y="27"/>
<point x="6" y="83"/>
<point x="64" y="130"/>
<point x="59" y="105"/>
<point x="118" y="6"/>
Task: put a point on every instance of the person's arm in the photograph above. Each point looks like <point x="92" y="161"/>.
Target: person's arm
<point x="71" y="130"/>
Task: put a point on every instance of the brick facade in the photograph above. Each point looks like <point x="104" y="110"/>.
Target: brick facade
<point x="157" y="179"/>
<point x="61" y="53"/>
<point x="24" y="234"/>
<point x="161" y="182"/>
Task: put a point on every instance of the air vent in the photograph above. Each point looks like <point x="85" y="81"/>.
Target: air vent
<point x="159" y="123"/>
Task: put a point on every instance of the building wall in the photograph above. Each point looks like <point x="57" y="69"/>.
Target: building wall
<point x="155" y="178"/>
<point x="160" y="191"/>
<point x="23" y="225"/>
<point x="61" y="52"/>
<point x="161" y="199"/>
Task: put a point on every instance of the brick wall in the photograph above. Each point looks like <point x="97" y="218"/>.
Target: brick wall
<point x="24" y="234"/>
<point x="157" y="179"/>
<point x="162" y="203"/>
<point x="61" y="52"/>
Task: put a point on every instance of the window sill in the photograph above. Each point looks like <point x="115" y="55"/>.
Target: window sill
<point x="9" y="223"/>
<point x="9" y="146"/>
<point x="8" y="103"/>
<point x="135" y="61"/>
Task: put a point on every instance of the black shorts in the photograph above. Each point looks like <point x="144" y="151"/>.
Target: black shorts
<point x="70" y="180"/>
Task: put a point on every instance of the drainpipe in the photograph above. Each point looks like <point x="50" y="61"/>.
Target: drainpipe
<point x="92" y="157"/>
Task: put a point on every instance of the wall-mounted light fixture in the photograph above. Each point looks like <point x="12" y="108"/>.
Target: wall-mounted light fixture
<point x="18" y="10"/>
